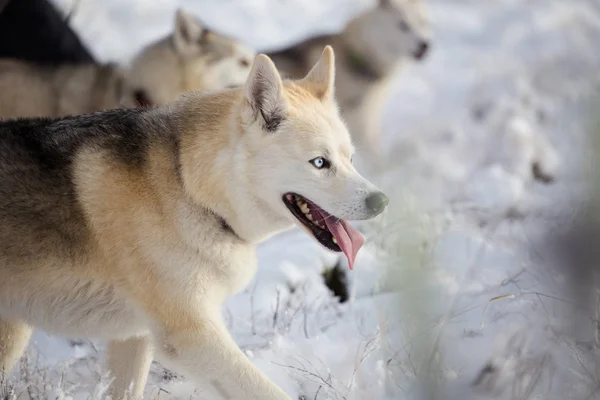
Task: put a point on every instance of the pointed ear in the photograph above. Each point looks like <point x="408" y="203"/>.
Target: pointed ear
<point x="188" y="33"/>
<point x="321" y="78"/>
<point x="264" y="92"/>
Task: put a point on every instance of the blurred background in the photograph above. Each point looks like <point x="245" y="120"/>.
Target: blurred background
<point x="479" y="281"/>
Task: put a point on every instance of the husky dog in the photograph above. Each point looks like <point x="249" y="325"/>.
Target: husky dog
<point x="369" y="51"/>
<point x="134" y="225"/>
<point x="192" y="58"/>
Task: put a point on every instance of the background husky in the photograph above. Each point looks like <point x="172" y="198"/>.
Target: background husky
<point x="192" y="58"/>
<point x="369" y="52"/>
<point x="134" y="225"/>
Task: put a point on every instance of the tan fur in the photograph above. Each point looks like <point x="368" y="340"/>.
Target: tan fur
<point x="383" y="37"/>
<point x="28" y="89"/>
<point x="192" y="58"/>
<point x="129" y="360"/>
<point x="150" y="265"/>
<point x="14" y="336"/>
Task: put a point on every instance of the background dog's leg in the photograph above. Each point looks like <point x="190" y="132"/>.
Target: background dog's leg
<point x="129" y="362"/>
<point x="14" y="336"/>
<point x="205" y="351"/>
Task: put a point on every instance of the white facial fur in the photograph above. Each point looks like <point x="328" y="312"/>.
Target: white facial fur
<point x="307" y="125"/>
<point x="229" y="71"/>
<point x="389" y="32"/>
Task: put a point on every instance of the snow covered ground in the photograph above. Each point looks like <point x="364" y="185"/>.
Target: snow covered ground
<point x="457" y="283"/>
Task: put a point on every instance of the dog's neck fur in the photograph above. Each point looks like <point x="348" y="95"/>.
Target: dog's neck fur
<point x="217" y="186"/>
<point x="361" y="75"/>
<point x="359" y="65"/>
<point x="354" y="60"/>
<point x="357" y="59"/>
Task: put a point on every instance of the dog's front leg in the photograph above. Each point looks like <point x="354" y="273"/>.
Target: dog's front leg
<point x="202" y="349"/>
<point x="129" y="362"/>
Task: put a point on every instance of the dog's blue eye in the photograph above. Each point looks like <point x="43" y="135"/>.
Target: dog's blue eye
<point x="320" y="163"/>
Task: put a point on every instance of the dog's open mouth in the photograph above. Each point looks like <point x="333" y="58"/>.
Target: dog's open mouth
<point x="333" y="233"/>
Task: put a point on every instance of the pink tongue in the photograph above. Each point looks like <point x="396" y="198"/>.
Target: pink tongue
<point x="348" y="238"/>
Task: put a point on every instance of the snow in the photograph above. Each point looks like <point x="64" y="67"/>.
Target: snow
<point x="457" y="272"/>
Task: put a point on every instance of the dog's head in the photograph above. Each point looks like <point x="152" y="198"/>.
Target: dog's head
<point x="295" y="157"/>
<point x="390" y="31"/>
<point x="192" y="58"/>
<point x="211" y="61"/>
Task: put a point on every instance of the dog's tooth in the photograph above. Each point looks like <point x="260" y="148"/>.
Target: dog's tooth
<point x="310" y="217"/>
<point x="334" y="240"/>
<point x="304" y="208"/>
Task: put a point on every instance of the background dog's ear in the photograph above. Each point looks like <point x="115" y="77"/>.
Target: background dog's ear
<point x="321" y="78"/>
<point x="264" y="92"/>
<point x="189" y="33"/>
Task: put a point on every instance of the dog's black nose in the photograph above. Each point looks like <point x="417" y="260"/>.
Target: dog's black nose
<point x="422" y="50"/>
<point x="376" y="202"/>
